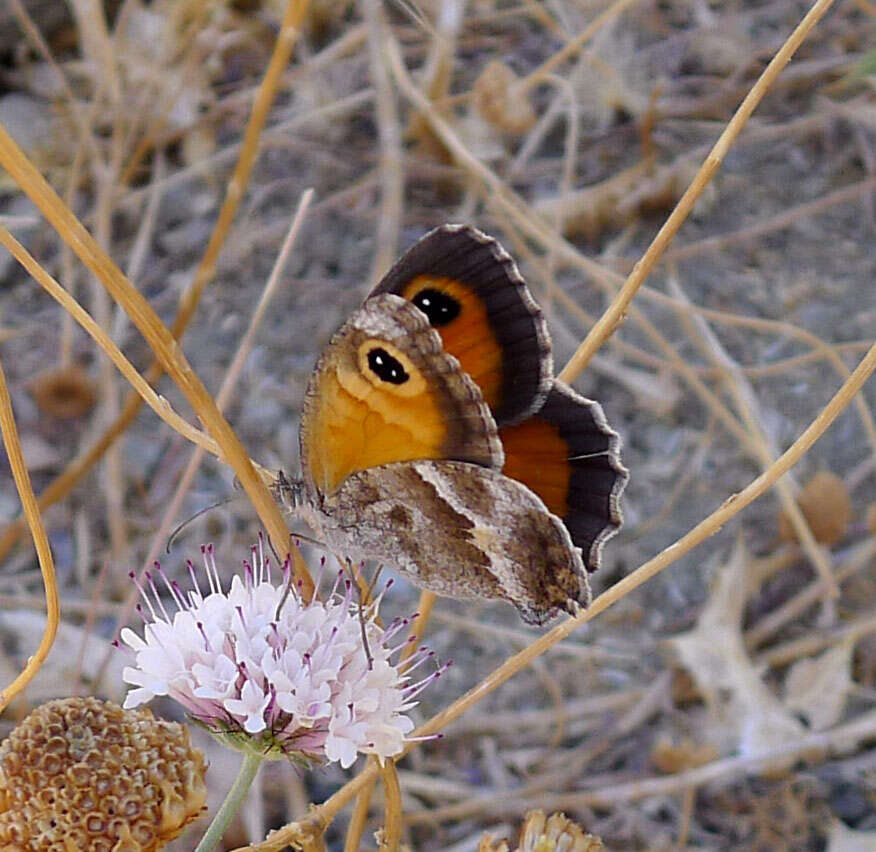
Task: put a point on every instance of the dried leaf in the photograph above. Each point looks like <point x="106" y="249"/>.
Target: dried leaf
<point x="844" y="839"/>
<point x="817" y="688"/>
<point x="748" y="718"/>
<point x="20" y="633"/>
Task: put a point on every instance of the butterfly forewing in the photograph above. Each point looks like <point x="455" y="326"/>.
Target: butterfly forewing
<point x="384" y="391"/>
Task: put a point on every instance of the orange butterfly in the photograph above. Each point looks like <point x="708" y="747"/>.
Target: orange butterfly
<point x="435" y="439"/>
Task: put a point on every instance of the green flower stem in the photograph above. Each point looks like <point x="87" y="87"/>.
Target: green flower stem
<point x="233" y="801"/>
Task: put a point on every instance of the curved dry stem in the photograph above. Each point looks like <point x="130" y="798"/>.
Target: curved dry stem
<point x="842" y="738"/>
<point x="820" y="349"/>
<point x="392" y="792"/>
<point x="294" y="15"/>
<point x="160" y="339"/>
<point x="510" y="204"/>
<point x="607" y="323"/>
<point x="731" y="507"/>
<point x="773" y="223"/>
<point x="40" y="540"/>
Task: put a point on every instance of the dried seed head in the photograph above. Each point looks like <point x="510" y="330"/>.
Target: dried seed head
<point x="64" y="392"/>
<point x="827" y="507"/>
<point x="555" y="833"/>
<point x="500" y="100"/>
<point x="80" y="773"/>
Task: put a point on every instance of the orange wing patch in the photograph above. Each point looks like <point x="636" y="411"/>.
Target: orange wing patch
<point x="468" y="336"/>
<point x="538" y="456"/>
<point x="358" y="423"/>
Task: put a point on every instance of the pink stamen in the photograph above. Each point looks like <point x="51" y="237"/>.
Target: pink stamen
<point x="203" y="633"/>
<point x="194" y="578"/>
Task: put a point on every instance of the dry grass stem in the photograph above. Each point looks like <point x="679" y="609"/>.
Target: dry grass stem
<point x="806" y="646"/>
<point x="775" y="223"/>
<point x="418" y="628"/>
<point x="359" y="819"/>
<point x="572" y="46"/>
<point x="392" y="176"/>
<point x="861" y="558"/>
<point x="289" y="29"/>
<point x="40" y="540"/>
<point x="762" y="447"/>
<point x="391" y="835"/>
<point x="811" y="746"/>
<point x="171" y="512"/>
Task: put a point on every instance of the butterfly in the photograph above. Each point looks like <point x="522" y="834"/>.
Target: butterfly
<point x="435" y="439"/>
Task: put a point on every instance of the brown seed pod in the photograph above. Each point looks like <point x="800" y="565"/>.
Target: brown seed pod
<point x="827" y="507"/>
<point x="556" y="833"/>
<point x="671" y="757"/>
<point x="871" y="518"/>
<point x="83" y="774"/>
<point x="500" y="100"/>
<point x="64" y="392"/>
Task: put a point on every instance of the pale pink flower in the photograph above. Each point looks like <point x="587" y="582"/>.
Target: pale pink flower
<point x="283" y="677"/>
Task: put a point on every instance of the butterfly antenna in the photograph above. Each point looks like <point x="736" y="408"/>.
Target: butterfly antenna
<point x="369" y="595"/>
<point x="363" y="597"/>
<point x="173" y="535"/>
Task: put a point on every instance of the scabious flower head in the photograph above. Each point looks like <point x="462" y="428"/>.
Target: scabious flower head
<point x="264" y="670"/>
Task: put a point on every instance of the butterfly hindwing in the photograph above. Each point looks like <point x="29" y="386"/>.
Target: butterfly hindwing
<point x="569" y="455"/>
<point x="474" y="296"/>
<point x="459" y="530"/>
<point x="384" y="391"/>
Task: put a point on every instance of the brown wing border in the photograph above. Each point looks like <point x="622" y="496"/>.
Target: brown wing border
<point x="477" y="260"/>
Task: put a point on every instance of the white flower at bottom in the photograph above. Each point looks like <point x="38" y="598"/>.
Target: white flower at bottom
<point x="264" y="670"/>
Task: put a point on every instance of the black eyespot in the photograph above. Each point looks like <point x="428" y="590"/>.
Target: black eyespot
<point x="386" y="367"/>
<point x="440" y="307"/>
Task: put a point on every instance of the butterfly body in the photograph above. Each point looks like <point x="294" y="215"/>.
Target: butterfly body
<point x="407" y="424"/>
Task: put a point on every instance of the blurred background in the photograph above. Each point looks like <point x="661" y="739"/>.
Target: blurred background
<point x="568" y="129"/>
